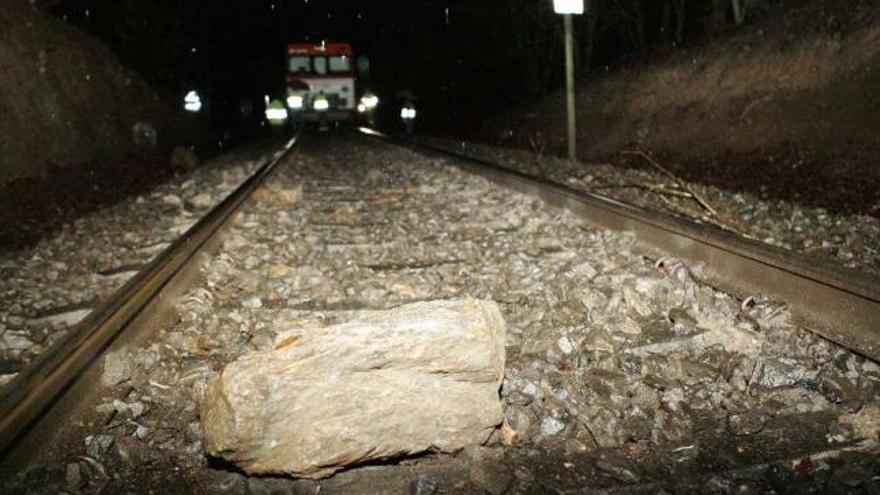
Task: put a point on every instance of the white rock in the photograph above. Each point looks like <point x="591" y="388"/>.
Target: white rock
<point x="67" y="319"/>
<point x="16" y="341"/>
<point x="4" y="379"/>
<point x="172" y="200"/>
<point x="585" y="270"/>
<point x="117" y="368"/>
<point x="253" y="303"/>
<point x="201" y="201"/>
<point x="551" y="426"/>
<point x="141" y="432"/>
<point x="564" y="345"/>
<point x="422" y="377"/>
<point x="533" y="391"/>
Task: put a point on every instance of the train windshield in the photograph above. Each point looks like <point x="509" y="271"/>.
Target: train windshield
<point x="335" y="64"/>
<point x="320" y="64"/>
<point x="300" y="64"/>
<point x="340" y="63"/>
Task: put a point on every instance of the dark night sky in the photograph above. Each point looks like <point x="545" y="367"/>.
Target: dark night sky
<point x="465" y="59"/>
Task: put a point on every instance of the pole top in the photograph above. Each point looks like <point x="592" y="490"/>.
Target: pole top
<point x="568" y="6"/>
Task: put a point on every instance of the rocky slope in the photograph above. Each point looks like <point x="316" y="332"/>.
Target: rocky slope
<point x="786" y="108"/>
<point x="65" y="100"/>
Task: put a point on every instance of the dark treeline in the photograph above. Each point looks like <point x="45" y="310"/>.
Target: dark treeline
<point x="465" y="59"/>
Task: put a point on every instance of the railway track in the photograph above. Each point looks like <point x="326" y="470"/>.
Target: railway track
<point x="37" y="387"/>
<point x="374" y="231"/>
<point x="841" y="304"/>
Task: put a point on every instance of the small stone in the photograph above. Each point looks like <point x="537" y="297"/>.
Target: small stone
<point x="277" y="271"/>
<point x="117" y="368"/>
<point x="682" y="319"/>
<point x="746" y="424"/>
<point x="425" y="485"/>
<point x="509" y="436"/>
<point x="172" y="200"/>
<point x="617" y="471"/>
<point x="136" y="409"/>
<point x="374" y="176"/>
<point x="495" y="481"/>
<point x="523" y="474"/>
<point x="141" y="432"/>
<point x="598" y="340"/>
<point x="289" y="197"/>
<point x="585" y="270"/>
<point x="253" y="303"/>
<point x="522" y="423"/>
<point x="16" y="341"/>
<point x="74" y="477"/>
<point x="200" y="201"/>
<point x="839" y="389"/>
<point x="98" y="445"/>
<point x="865" y="424"/>
<point x="776" y="374"/>
<point x="222" y="481"/>
<point x="551" y="426"/>
<point x="533" y="391"/>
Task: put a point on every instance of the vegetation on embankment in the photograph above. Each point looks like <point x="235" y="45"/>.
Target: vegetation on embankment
<point x="788" y="107"/>
<point x="65" y="101"/>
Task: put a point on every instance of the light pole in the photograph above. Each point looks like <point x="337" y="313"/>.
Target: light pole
<point x="568" y="8"/>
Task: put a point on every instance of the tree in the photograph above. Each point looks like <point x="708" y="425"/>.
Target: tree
<point x="672" y="25"/>
<point x="739" y="11"/>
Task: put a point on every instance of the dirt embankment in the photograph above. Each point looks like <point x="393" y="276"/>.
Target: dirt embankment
<point x="65" y="100"/>
<point x="788" y="107"/>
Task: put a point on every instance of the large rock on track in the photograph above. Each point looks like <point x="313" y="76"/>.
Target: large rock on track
<point x="421" y="377"/>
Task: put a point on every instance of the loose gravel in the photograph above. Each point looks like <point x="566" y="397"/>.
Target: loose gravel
<point x="625" y="373"/>
<point x="851" y="240"/>
<point x="51" y="286"/>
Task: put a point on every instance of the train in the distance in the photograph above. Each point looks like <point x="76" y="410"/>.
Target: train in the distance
<point x="323" y="84"/>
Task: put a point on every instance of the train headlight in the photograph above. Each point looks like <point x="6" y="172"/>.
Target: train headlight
<point x="295" y="102"/>
<point x="322" y="105"/>
<point x="408" y="113"/>
<point x="370" y="101"/>
<point x="276" y="114"/>
<point x="192" y="102"/>
<point x="362" y="108"/>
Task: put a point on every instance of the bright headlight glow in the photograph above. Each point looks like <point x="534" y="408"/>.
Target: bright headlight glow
<point x="295" y="102"/>
<point x="407" y="113"/>
<point x="362" y="108"/>
<point x="370" y="101"/>
<point x="192" y="102"/>
<point x="276" y="114"/>
<point x="322" y="105"/>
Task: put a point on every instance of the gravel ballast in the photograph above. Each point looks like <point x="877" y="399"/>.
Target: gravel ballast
<point x="624" y="372"/>
<point x="850" y="240"/>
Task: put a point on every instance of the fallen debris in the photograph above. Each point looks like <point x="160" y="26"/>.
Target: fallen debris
<point x="421" y="377"/>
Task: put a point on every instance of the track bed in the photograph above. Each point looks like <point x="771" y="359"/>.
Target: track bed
<point x="625" y="373"/>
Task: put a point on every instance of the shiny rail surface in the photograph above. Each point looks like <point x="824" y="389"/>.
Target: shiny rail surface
<point x="838" y="303"/>
<point x="24" y="399"/>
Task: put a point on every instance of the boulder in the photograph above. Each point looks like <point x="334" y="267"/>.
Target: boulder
<point x="420" y="378"/>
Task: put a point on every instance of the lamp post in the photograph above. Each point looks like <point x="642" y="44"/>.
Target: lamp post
<point x="568" y="8"/>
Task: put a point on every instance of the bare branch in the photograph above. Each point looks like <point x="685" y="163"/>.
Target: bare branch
<point x="726" y="224"/>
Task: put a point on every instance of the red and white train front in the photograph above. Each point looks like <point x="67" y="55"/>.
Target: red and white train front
<point x="321" y="82"/>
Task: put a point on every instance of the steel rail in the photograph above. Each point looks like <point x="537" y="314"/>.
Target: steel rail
<point x="30" y="394"/>
<point x="838" y="303"/>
